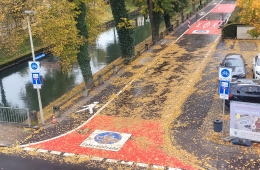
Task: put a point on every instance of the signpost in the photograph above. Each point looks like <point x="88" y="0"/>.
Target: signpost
<point x="34" y="67"/>
<point x="225" y="76"/>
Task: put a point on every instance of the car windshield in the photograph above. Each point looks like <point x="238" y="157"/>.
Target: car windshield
<point x="231" y="62"/>
<point x="258" y="62"/>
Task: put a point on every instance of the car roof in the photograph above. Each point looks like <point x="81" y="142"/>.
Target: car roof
<point x="244" y="81"/>
<point x="235" y="56"/>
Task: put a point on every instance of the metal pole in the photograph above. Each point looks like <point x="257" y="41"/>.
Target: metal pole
<point x="33" y="55"/>
<point x="223" y="119"/>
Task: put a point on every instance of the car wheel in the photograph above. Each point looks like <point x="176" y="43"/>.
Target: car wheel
<point x="253" y="75"/>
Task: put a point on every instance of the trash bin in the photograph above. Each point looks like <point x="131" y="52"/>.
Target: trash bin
<point x="34" y="118"/>
<point x="217" y="125"/>
<point x="56" y="111"/>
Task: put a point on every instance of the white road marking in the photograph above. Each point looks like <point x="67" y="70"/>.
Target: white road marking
<point x="198" y="24"/>
<point x="127" y="163"/>
<point x="68" y="154"/>
<point x="97" y="159"/>
<point x="206" y="25"/>
<point x="28" y="149"/>
<point x="142" y="165"/>
<point x="158" y="167"/>
<point x="42" y="150"/>
<point x="55" y="152"/>
<point x="111" y="160"/>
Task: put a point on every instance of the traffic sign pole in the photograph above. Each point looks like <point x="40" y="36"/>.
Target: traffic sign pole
<point x="225" y="76"/>
<point x="33" y="55"/>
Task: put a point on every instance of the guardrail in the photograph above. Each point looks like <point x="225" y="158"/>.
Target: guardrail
<point x="15" y="115"/>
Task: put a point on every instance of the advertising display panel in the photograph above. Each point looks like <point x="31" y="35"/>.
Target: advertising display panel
<point x="245" y="120"/>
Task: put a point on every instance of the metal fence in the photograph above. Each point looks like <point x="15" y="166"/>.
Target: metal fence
<point x="15" y="115"/>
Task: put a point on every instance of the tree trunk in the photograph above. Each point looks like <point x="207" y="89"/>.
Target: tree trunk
<point x="167" y="21"/>
<point x="155" y="20"/>
<point x="193" y="5"/>
<point x="125" y="35"/>
<point x="83" y="56"/>
<point x="3" y="97"/>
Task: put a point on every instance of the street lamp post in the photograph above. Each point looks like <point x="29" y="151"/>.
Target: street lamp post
<point x="33" y="55"/>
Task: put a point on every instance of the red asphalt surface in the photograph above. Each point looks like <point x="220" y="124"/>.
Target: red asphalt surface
<point x="211" y="26"/>
<point x="132" y="150"/>
<point x="149" y="130"/>
<point x="205" y="27"/>
<point x="224" y="8"/>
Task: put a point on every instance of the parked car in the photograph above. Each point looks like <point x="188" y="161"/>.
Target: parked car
<point x="237" y="63"/>
<point x="244" y="90"/>
<point x="256" y="67"/>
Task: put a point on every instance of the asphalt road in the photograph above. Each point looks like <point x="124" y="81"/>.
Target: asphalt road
<point x="9" y="162"/>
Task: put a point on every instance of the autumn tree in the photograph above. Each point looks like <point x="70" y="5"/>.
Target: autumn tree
<point x="176" y="7"/>
<point x="124" y="27"/>
<point x="250" y="15"/>
<point x="54" y="24"/>
<point x="156" y="10"/>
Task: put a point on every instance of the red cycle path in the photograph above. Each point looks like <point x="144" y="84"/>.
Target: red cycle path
<point x="205" y="27"/>
<point x="145" y="144"/>
<point x="224" y="8"/>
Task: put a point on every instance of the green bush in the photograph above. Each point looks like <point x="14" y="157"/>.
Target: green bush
<point x="234" y="18"/>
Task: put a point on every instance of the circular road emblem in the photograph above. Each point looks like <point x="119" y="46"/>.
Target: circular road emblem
<point x="108" y="138"/>
<point x="225" y="73"/>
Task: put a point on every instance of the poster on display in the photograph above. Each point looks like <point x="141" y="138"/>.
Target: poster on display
<point x="245" y="120"/>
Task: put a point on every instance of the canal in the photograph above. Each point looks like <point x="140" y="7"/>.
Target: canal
<point x="16" y="83"/>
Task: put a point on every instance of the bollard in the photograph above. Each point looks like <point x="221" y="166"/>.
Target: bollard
<point x="115" y="69"/>
<point x="100" y="79"/>
<point x="171" y="28"/>
<point x="56" y="111"/>
<point x="85" y="91"/>
<point x="177" y="23"/>
<point x="161" y="35"/>
<point x="138" y="53"/>
<point x="34" y="118"/>
<point x="217" y="125"/>
<point x="146" y="46"/>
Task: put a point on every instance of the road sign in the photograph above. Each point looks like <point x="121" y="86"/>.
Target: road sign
<point x="36" y="80"/>
<point x="224" y="89"/>
<point x="225" y="73"/>
<point x="34" y="66"/>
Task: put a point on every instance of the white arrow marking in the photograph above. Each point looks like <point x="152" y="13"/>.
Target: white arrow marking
<point x="198" y="24"/>
<point x="89" y="107"/>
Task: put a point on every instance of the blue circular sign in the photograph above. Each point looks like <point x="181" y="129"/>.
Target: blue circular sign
<point x="108" y="138"/>
<point x="34" y="66"/>
<point x="225" y="73"/>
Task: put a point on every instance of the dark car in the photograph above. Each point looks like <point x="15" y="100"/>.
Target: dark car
<point x="237" y="63"/>
<point x="244" y="90"/>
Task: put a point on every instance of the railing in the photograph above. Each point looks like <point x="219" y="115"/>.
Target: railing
<point x="15" y="115"/>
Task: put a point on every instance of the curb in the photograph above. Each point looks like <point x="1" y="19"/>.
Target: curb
<point x="100" y="159"/>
